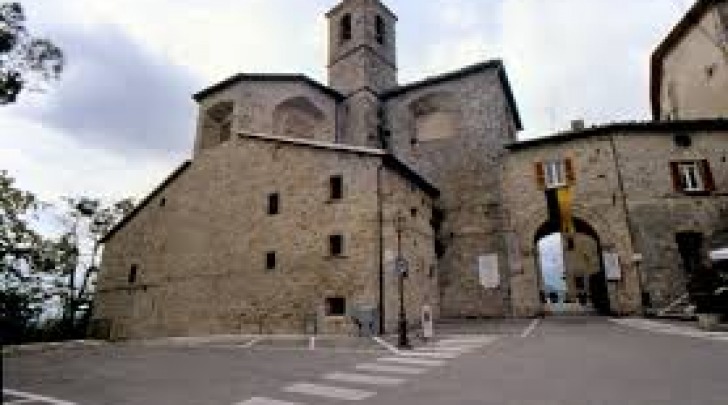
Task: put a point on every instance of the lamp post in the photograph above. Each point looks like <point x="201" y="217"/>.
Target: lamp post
<point x="401" y="266"/>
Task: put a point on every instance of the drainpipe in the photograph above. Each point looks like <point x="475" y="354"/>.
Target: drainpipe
<point x="627" y="216"/>
<point x="380" y="218"/>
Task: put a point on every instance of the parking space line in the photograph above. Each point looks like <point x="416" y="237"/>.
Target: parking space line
<point x="364" y="379"/>
<point x="35" y="397"/>
<point x="327" y="391"/>
<point x="527" y="332"/>
<point x="266" y="401"/>
<point x="383" y="368"/>
<point x="412" y="361"/>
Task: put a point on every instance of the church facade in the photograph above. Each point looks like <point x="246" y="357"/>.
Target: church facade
<point x="300" y="198"/>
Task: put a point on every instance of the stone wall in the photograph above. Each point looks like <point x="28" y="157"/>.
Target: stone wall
<point x="201" y="253"/>
<point x="465" y="164"/>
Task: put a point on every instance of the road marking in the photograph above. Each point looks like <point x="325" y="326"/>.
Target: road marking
<point x="312" y="343"/>
<point x="327" y="391"/>
<point x="266" y="401"/>
<point x="386" y="344"/>
<point x="660" y="327"/>
<point x="453" y="349"/>
<point x="364" y="379"/>
<point x="527" y="332"/>
<point x="383" y="368"/>
<point x="434" y="355"/>
<point x="21" y="401"/>
<point x="35" y="397"/>
<point x="412" y="361"/>
<point x="251" y="343"/>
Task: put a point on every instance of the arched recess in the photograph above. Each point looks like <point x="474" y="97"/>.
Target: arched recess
<point x="436" y="115"/>
<point x="217" y="124"/>
<point x="297" y="117"/>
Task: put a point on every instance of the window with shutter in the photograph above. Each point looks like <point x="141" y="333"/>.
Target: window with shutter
<point x="540" y="175"/>
<point x="692" y="176"/>
<point x="555" y="173"/>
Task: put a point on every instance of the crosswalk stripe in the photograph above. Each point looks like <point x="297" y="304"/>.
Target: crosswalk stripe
<point x="266" y="401"/>
<point x="327" y="391"/>
<point x="36" y="397"/>
<point x="363" y="379"/>
<point x="411" y="361"/>
<point x="384" y="368"/>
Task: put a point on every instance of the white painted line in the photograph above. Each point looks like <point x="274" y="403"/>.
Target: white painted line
<point x="431" y="355"/>
<point x="251" y="343"/>
<point x="39" y="398"/>
<point x="327" y="391"/>
<point x="21" y="401"/>
<point x="312" y="343"/>
<point x="266" y="401"/>
<point x="412" y="361"/>
<point x="386" y="344"/>
<point x="465" y="341"/>
<point x="527" y="332"/>
<point x="363" y="379"/>
<point x="460" y="348"/>
<point x="665" y="328"/>
<point x="384" y="368"/>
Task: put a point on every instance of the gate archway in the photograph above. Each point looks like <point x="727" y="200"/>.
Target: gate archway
<point x="579" y="285"/>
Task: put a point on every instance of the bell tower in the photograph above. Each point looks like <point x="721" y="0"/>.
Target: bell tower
<point x="362" y="47"/>
<point x="362" y="64"/>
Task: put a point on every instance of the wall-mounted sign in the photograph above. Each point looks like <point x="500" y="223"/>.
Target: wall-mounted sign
<point x="612" y="267"/>
<point x="488" y="271"/>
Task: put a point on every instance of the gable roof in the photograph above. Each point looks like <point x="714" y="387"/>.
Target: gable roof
<point x="143" y="203"/>
<point x="460" y="73"/>
<point x="626" y="128"/>
<point x="690" y="19"/>
<point x="266" y="77"/>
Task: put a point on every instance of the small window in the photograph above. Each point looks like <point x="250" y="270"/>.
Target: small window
<point x="555" y="173"/>
<point x="380" y="29"/>
<point x="162" y="202"/>
<point x="413" y="212"/>
<point x="132" y="274"/>
<point x="273" y="204"/>
<point x="337" y="187"/>
<point x="692" y="176"/>
<point x="346" y="27"/>
<point x="270" y="261"/>
<point x="336" y="245"/>
<point x="335" y="306"/>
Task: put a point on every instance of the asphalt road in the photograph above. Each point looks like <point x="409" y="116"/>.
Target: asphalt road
<point x="557" y="361"/>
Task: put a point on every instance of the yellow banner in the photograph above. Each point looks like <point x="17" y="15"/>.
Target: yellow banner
<point x="564" y="197"/>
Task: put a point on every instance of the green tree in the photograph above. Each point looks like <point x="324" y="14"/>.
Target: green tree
<point x="24" y="60"/>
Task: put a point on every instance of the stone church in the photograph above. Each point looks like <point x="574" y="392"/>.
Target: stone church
<point x="300" y="197"/>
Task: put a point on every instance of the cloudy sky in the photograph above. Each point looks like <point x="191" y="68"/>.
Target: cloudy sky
<point x="122" y="116"/>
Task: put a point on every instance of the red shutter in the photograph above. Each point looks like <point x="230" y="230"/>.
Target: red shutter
<point x="540" y="175"/>
<point x="569" y="168"/>
<point x="707" y="175"/>
<point x="675" y="172"/>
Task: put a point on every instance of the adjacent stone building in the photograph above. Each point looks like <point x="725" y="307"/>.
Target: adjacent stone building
<point x="300" y="197"/>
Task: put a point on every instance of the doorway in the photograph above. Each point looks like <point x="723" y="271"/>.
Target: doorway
<point x="572" y="278"/>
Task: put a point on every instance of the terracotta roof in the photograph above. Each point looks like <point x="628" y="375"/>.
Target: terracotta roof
<point x="457" y="74"/>
<point x="626" y="128"/>
<point x="692" y="17"/>
<point x="266" y="77"/>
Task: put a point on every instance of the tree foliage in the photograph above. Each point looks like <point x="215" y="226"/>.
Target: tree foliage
<point x="24" y="60"/>
<point x="41" y="272"/>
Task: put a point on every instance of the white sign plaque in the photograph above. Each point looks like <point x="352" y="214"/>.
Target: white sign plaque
<point x="488" y="271"/>
<point x="612" y="267"/>
<point x="427" y="328"/>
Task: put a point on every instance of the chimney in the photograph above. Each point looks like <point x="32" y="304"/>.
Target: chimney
<point x="577" y="125"/>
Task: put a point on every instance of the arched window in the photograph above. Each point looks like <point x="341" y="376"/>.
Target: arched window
<point x="346" y="27"/>
<point x="297" y="117"/>
<point x="436" y="116"/>
<point x="380" y="29"/>
<point x="217" y="125"/>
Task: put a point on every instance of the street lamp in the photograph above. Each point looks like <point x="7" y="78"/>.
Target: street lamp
<point x="401" y="266"/>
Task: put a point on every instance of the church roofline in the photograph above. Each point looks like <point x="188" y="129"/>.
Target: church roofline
<point x="625" y="128"/>
<point x="388" y="159"/>
<point x="143" y="203"/>
<point x="341" y="4"/>
<point x="266" y="77"/>
<point x="457" y="74"/>
<point x="691" y="18"/>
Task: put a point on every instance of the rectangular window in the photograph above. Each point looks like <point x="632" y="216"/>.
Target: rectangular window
<point x="555" y="173"/>
<point x="336" y="245"/>
<point x="270" y="261"/>
<point x="337" y="187"/>
<point x="273" y="204"/>
<point x="132" y="274"/>
<point x="346" y="27"/>
<point x="335" y="306"/>
<point x="692" y="176"/>
<point x="380" y="29"/>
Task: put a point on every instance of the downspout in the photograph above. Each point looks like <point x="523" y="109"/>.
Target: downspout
<point x="627" y="216"/>
<point x="380" y="219"/>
